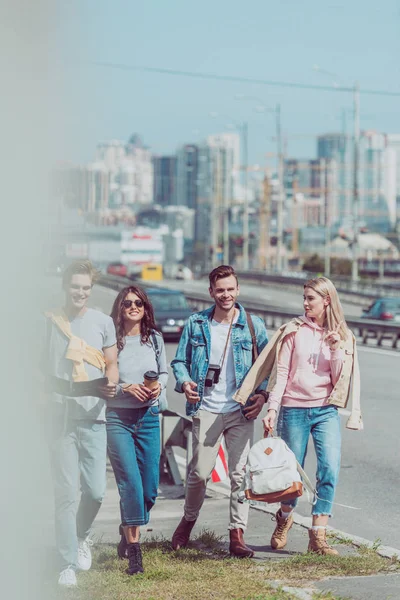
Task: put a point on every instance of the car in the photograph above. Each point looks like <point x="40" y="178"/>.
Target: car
<point x="117" y="268"/>
<point x="171" y="310"/>
<point x="384" y="309"/>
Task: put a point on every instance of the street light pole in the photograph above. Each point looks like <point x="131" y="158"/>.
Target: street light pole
<point x="279" y="243"/>
<point x="356" y="160"/>
<point x="244" y="129"/>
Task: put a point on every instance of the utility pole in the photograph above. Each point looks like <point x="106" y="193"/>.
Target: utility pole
<point x="279" y="243"/>
<point x="356" y="160"/>
<point x="225" y="224"/>
<point x="246" y="202"/>
<point x="215" y="207"/>
<point x="265" y="216"/>
<point x="327" y="198"/>
<point x="295" y="224"/>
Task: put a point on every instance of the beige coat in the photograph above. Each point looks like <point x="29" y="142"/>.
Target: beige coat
<point x="346" y="390"/>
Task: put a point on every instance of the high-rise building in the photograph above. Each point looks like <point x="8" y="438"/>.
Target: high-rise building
<point x="130" y="169"/>
<point x="316" y="181"/>
<point x="332" y="146"/>
<point x="373" y="208"/>
<point x="164" y="180"/>
<point x="218" y="174"/>
<point x="393" y="176"/>
<point x="338" y="147"/>
<point x="98" y="186"/>
<point x="187" y="175"/>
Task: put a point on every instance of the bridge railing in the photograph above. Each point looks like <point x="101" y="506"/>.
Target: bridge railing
<point x="366" y="329"/>
<point x="360" y="292"/>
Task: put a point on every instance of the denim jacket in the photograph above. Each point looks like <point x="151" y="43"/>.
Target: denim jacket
<point x="193" y="353"/>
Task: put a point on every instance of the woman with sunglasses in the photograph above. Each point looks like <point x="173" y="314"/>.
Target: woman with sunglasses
<point x="133" y="428"/>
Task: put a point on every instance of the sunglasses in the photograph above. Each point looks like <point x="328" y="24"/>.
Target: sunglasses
<point x="129" y="303"/>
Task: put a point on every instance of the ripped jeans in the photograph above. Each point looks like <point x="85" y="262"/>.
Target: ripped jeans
<point x="323" y="423"/>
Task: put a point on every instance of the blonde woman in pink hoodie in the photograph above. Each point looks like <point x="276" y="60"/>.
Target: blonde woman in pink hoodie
<point x="309" y="365"/>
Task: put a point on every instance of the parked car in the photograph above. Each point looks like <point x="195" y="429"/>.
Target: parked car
<point x="117" y="268"/>
<point x="384" y="309"/>
<point x="171" y="311"/>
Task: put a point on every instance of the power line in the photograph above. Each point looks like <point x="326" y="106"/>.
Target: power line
<point x="239" y="79"/>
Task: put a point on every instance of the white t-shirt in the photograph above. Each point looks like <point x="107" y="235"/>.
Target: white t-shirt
<point x="219" y="397"/>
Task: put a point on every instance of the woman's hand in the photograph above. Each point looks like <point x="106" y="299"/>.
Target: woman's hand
<point x="138" y="391"/>
<point x="332" y="338"/>
<point x="156" y="392"/>
<point x="269" y="420"/>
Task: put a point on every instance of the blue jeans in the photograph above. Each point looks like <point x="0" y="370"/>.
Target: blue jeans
<point x="323" y="422"/>
<point x="133" y="441"/>
<point x="78" y="453"/>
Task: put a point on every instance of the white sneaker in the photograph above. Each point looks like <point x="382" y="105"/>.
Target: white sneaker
<point x="67" y="578"/>
<point x="84" y="554"/>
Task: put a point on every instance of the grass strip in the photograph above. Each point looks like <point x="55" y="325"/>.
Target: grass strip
<point x="204" y="571"/>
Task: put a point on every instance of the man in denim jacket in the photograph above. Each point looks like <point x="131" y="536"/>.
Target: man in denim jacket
<point x="214" y="356"/>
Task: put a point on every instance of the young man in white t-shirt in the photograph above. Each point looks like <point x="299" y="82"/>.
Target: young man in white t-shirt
<point x="80" y="347"/>
<point x="214" y="355"/>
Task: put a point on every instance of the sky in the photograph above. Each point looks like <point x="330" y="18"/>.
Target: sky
<point x="356" y="40"/>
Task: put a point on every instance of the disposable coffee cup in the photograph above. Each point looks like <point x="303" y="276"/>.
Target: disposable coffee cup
<point x="150" y="380"/>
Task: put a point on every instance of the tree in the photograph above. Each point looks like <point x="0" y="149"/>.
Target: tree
<point x="314" y="264"/>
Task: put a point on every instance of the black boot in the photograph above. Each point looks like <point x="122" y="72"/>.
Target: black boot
<point x="135" y="559"/>
<point x="122" y="546"/>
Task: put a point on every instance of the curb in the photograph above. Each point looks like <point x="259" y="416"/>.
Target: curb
<point x="384" y="551"/>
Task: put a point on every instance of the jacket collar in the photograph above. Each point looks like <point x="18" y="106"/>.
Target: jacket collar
<point x="205" y="315"/>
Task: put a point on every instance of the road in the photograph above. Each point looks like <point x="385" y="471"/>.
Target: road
<point x="370" y="472"/>
<point x="291" y="299"/>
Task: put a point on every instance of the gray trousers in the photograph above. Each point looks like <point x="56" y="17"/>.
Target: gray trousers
<point x="208" y="430"/>
<point x="78" y="459"/>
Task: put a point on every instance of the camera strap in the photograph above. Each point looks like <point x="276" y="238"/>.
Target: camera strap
<point x="221" y="364"/>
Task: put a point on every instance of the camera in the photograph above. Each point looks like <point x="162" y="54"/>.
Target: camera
<point x="212" y="376"/>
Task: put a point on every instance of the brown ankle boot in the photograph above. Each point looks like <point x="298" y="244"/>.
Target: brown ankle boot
<point x="279" y="537"/>
<point x="237" y="547"/>
<point x="318" y="543"/>
<point x="182" y="534"/>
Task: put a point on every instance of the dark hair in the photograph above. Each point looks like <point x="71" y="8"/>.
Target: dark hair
<point x="79" y="267"/>
<point x="147" y="324"/>
<point x="220" y="273"/>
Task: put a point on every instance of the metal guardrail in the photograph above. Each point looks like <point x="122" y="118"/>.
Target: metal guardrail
<point x="360" y="292"/>
<point x="176" y="431"/>
<point x="273" y="318"/>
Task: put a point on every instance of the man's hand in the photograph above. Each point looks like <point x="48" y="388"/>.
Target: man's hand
<point x="109" y="390"/>
<point x="189" y="389"/>
<point x="257" y="404"/>
<point x="138" y="391"/>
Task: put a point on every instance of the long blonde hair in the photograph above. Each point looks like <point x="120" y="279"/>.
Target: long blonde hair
<point x="334" y="311"/>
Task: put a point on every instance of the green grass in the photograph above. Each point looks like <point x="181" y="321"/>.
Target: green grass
<point x="204" y="571"/>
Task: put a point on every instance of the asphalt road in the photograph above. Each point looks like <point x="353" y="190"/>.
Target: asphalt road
<point x="370" y="473"/>
<point x="272" y="297"/>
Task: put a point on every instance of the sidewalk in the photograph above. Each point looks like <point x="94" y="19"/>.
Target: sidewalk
<point x="214" y="517"/>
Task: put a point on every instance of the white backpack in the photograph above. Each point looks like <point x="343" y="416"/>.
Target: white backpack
<point x="272" y="473"/>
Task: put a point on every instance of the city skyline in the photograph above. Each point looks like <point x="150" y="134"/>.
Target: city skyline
<point x="354" y="41"/>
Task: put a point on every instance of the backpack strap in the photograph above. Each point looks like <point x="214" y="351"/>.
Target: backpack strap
<point x="253" y="336"/>
<point x="306" y="481"/>
<point x="156" y="349"/>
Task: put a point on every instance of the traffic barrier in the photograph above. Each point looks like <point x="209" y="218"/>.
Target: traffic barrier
<point x="220" y="471"/>
<point x="176" y="432"/>
<point x="366" y="329"/>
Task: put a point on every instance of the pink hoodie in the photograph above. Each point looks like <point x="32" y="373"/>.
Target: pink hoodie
<point x="307" y="369"/>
